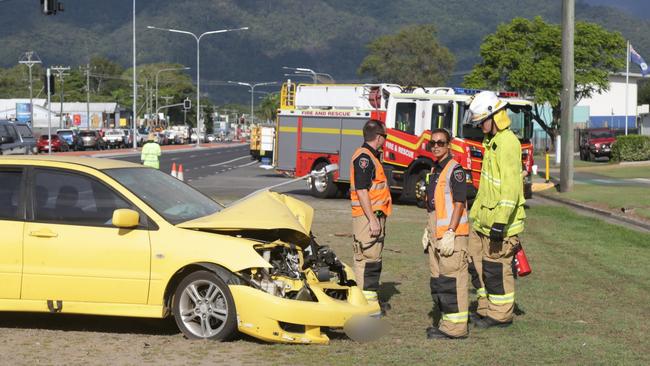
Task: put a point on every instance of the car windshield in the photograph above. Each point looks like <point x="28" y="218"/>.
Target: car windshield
<point x="64" y="133"/>
<point x="601" y="134"/>
<point x="24" y="131"/>
<point x="171" y="198"/>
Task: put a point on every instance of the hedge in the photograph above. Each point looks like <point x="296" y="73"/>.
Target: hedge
<point x="631" y="148"/>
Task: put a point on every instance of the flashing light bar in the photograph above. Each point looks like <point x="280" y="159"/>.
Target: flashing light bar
<point x="507" y="94"/>
<point x="466" y="91"/>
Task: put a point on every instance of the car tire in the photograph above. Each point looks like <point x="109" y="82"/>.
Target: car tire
<point x="323" y="187"/>
<point x="204" y="308"/>
<point x="416" y="182"/>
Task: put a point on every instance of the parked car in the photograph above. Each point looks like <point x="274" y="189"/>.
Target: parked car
<point x="115" y="138"/>
<point x="71" y="137"/>
<point x="253" y="267"/>
<point x="58" y="143"/>
<point x="92" y="140"/>
<point x="10" y="140"/>
<point x="27" y="136"/>
<point x="595" y="143"/>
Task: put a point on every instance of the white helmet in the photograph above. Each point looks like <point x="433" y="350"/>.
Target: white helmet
<point x="484" y="105"/>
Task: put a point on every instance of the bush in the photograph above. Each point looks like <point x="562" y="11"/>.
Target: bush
<point x="631" y="148"/>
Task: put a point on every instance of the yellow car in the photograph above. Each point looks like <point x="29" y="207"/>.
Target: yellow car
<point x="107" y="237"/>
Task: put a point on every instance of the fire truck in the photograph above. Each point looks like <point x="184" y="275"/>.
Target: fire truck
<point x="320" y="124"/>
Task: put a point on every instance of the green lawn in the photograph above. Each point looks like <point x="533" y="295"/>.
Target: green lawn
<point x="622" y="171"/>
<point x="586" y="301"/>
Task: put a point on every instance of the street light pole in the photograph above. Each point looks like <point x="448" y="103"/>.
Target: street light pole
<point x="158" y="74"/>
<point x="252" y="86"/>
<point x="198" y="69"/>
<point x="135" y="87"/>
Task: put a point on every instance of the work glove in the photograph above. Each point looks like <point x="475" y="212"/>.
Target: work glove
<point x="425" y="239"/>
<point x="497" y="232"/>
<point x="446" y="244"/>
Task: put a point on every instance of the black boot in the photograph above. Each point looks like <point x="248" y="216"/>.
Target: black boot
<point x="435" y="333"/>
<point x="488" y="322"/>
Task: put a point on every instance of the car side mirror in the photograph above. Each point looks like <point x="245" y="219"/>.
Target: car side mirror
<point x="6" y="140"/>
<point x="125" y="218"/>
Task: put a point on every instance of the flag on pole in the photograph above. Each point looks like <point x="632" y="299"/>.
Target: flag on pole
<point x="637" y="59"/>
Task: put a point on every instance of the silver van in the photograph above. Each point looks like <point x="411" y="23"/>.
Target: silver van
<point x="11" y="143"/>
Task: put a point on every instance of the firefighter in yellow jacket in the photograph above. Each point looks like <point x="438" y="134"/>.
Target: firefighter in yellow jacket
<point x="497" y="214"/>
<point x="371" y="205"/>
<point x="446" y="239"/>
<point x="151" y="152"/>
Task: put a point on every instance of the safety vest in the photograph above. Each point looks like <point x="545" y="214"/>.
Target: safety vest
<point x="379" y="192"/>
<point x="150" y="154"/>
<point x="444" y="205"/>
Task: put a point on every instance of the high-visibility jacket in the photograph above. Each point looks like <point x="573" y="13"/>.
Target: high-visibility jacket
<point x="379" y="192"/>
<point x="150" y="153"/>
<point x="444" y="205"/>
<point x="500" y="197"/>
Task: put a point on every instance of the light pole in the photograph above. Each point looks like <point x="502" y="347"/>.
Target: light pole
<point x="252" y="86"/>
<point x="135" y="88"/>
<point x="198" y="68"/>
<point x="302" y="71"/>
<point x="157" y="74"/>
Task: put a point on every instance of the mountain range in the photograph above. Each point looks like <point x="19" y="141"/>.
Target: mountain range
<point x="325" y="35"/>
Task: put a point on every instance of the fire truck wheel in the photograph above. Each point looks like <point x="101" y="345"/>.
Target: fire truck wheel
<point x="323" y="187"/>
<point x="417" y="187"/>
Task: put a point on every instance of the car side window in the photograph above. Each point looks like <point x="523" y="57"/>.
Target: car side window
<point x="10" y="194"/>
<point x="3" y="131"/>
<point x="13" y="133"/>
<point x="74" y="199"/>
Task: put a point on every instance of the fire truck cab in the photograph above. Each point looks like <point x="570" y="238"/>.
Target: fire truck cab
<point x="319" y="124"/>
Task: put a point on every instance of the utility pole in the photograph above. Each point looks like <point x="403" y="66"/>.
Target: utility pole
<point x="567" y="96"/>
<point x="30" y="58"/>
<point x="60" y="71"/>
<point x="88" y="95"/>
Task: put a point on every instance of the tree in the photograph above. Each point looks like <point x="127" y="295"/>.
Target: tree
<point x="208" y="110"/>
<point x="413" y="56"/>
<point x="525" y="56"/>
<point x="269" y="107"/>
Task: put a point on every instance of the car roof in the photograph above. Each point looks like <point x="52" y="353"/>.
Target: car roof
<point x="95" y="163"/>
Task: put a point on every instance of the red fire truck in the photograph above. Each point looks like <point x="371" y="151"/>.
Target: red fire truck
<point x="320" y="124"/>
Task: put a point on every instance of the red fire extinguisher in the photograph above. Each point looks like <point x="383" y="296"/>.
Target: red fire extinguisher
<point x="521" y="262"/>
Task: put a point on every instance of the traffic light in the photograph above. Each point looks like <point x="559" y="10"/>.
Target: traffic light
<point x="50" y="7"/>
<point x="187" y="104"/>
<point x="52" y="83"/>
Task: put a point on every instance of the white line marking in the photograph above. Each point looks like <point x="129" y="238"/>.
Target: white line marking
<point x="247" y="164"/>
<point x="230" y="161"/>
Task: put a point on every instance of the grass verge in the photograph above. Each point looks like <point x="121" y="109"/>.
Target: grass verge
<point x="584" y="303"/>
<point x="634" y="198"/>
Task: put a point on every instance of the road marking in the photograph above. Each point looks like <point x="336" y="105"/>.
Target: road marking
<point x="247" y="164"/>
<point x="604" y="181"/>
<point x="230" y="161"/>
<point x="642" y="180"/>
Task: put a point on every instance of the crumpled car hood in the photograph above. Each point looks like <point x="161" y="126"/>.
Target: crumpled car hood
<point x="265" y="215"/>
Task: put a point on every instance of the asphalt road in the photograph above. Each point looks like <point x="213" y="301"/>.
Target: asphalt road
<point x="201" y="163"/>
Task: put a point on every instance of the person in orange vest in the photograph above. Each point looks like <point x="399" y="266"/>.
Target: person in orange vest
<point x="371" y="205"/>
<point x="446" y="240"/>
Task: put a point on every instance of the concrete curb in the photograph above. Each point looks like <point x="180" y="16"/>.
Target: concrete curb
<point x="596" y="210"/>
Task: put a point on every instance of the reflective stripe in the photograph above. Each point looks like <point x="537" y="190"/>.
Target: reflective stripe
<point x="444" y="205"/>
<point x="456" y="317"/>
<point x="507" y="203"/>
<point x="481" y="292"/>
<point x="502" y="299"/>
<point x="370" y="295"/>
<point x="496" y="182"/>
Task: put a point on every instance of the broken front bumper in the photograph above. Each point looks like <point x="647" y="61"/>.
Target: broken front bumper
<point x="275" y="319"/>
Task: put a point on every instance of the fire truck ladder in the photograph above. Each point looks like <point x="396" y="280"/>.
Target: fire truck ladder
<point x="288" y="96"/>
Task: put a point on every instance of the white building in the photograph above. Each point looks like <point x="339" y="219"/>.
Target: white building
<point x="74" y="114"/>
<point x="608" y="109"/>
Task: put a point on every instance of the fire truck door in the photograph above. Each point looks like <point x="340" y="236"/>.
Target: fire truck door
<point x="287" y="142"/>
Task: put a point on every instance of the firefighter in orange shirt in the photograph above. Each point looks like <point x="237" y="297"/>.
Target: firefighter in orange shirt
<point x="371" y="205"/>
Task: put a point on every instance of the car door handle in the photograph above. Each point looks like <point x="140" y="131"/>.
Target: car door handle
<point x="44" y="233"/>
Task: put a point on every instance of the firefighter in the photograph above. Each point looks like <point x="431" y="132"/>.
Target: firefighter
<point x="151" y="152"/>
<point x="497" y="214"/>
<point x="446" y="239"/>
<point x="371" y="205"/>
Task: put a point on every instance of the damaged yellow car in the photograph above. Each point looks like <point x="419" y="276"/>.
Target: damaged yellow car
<point x="107" y="237"/>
